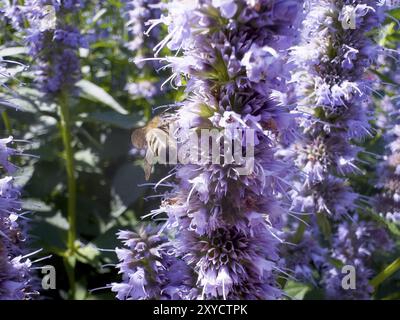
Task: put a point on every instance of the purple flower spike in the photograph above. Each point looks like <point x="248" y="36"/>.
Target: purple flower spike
<point x="227" y="225"/>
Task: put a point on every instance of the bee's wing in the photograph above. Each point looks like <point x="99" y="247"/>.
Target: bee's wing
<point x="148" y="163"/>
<point x="138" y="138"/>
<point x="157" y="140"/>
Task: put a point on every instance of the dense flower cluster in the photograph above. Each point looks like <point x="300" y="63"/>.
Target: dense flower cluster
<point x="137" y="13"/>
<point x="12" y="11"/>
<point x="149" y="271"/>
<point x="305" y="256"/>
<point x="52" y="40"/>
<point x="14" y="268"/>
<point x="234" y="65"/>
<point x="353" y="245"/>
<point x="387" y="202"/>
<point x="15" y="274"/>
<point x="334" y="93"/>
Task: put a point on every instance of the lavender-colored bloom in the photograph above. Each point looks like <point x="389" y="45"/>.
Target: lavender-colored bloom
<point x="137" y="13"/>
<point x="227" y="226"/>
<point x="142" y="39"/>
<point x="15" y="273"/>
<point x="52" y="42"/>
<point x="354" y="244"/>
<point x="387" y="202"/>
<point x="263" y="64"/>
<point x="334" y="197"/>
<point x="228" y="8"/>
<point x="13" y="12"/>
<point x="141" y="89"/>
<point x="303" y="258"/>
<point x="148" y="268"/>
<point x="334" y="96"/>
<point x="16" y="280"/>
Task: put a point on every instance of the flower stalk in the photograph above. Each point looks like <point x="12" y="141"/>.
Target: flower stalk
<point x="65" y="130"/>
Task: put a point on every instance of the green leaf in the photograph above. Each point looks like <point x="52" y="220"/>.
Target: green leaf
<point x="125" y="183"/>
<point x="20" y="104"/>
<point x="324" y="225"/>
<point x="296" y="290"/>
<point x="108" y="240"/>
<point x="385" y="78"/>
<point x="395" y="13"/>
<point x="81" y="292"/>
<point x="394" y="228"/>
<point x="12" y="51"/>
<point x="59" y="221"/>
<point x="98" y="15"/>
<point x="23" y="176"/>
<point x="88" y="255"/>
<point x="96" y="93"/>
<point x="116" y="119"/>
<point x="55" y="237"/>
<point x="104" y="44"/>
<point x="87" y="157"/>
<point x="116" y="145"/>
<point x="35" y="205"/>
<point x="336" y="262"/>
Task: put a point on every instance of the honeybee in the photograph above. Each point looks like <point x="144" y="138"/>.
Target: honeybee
<point x="155" y="139"/>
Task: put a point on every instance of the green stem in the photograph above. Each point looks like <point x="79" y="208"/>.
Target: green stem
<point x="148" y="112"/>
<point x="65" y="124"/>
<point x="298" y="236"/>
<point x="7" y="122"/>
<point x="386" y="273"/>
<point x="69" y="264"/>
